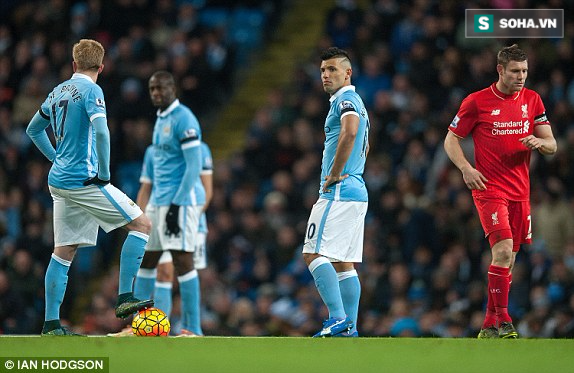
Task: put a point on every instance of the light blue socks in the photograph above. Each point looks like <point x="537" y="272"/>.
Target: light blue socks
<point x="145" y="283"/>
<point x="190" y="301"/>
<point x="351" y="294"/>
<point x="162" y="296"/>
<point x="327" y="284"/>
<point x="130" y="260"/>
<point x="55" y="283"/>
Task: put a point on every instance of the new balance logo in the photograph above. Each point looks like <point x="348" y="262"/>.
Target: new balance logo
<point x="495" y="112"/>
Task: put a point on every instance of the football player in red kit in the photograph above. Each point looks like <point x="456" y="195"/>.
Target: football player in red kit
<point x="506" y="121"/>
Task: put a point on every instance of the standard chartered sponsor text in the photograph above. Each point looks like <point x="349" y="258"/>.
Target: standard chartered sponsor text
<point x="515" y="131"/>
<point x="507" y="124"/>
<point x="509" y="128"/>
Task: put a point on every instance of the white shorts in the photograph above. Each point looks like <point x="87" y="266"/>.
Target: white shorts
<point x="335" y="230"/>
<point x="199" y="255"/>
<point x="79" y="212"/>
<point x="165" y="258"/>
<point x="188" y="222"/>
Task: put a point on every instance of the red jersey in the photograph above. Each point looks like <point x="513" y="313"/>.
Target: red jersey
<point x="496" y="121"/>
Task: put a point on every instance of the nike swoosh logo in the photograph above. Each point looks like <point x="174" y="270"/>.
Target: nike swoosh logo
<point x="327" y="331"/>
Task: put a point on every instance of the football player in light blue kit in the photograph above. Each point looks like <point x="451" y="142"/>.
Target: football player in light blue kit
<point x="334" y="237"/>
<point x="177" y="197"/>
<point x="206" y="175"/>
<point x="79" y="182"/>
<point x="162" y="293"/>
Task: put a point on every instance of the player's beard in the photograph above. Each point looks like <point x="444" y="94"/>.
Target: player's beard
<point x="159" y="103"/>
<point x="330" y="88"/>
<point x="512" y="86"/>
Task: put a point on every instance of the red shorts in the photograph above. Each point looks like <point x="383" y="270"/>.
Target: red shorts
<point x="499" y="214"/>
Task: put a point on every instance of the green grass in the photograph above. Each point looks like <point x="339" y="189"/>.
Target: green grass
<point x="274" y="355"/>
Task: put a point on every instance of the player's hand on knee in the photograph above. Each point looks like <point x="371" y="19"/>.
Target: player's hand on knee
<point x="171" y="220"/>
<point x="96" y="181"/>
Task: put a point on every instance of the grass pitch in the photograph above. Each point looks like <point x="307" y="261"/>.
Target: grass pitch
<point x="290" y="355"/>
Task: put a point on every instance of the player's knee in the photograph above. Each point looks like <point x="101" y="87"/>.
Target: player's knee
<point x="163" y="276"/>
<point x="343" y="266"/>
<point x="183" y="263"/>
<point x="150" y="259"/>
<point x="165" y="272"/>
<point x="500" y="258"/>
<point x="66" y="252"/>
<point x="143" y="224"/>
<point x="309" y="257"/>
<point x="502" y="253"/>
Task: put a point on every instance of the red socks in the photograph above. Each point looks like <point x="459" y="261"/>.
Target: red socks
<point x="490" y="318"/>
<point x="498" y="287"/>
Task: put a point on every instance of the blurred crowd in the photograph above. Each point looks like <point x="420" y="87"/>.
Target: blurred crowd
<point x="425" y="256"/>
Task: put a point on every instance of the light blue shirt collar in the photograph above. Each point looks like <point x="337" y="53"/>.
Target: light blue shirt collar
<point x="170" y="108"/>
<point x="341" y="91"/>
<point x="82" y="76"/>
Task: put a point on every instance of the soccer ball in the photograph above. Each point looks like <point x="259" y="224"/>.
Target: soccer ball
<point x="151" y="322"/>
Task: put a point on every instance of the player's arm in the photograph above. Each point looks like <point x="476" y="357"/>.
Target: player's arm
<point x="146" y="179"/>
<point x="102" y="147"/>
<point x="347" y="136"/>
<point x="192" y="156"/>
<point x="191" y="149"/>
<point x="143" y="194"/>
<point x="102" y="152"/>
<point x="36" y="130"/>
<point x="473" y="178"/>
<point x="543" y="140"/>
<point x="207" y="181"/>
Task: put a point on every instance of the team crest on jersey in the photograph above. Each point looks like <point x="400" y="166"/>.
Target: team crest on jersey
<point x="524" y="111"/>
<point x="454" y="122"/>
<point x="167" y="130"/>
<point x="100" y="102"/>
<point x="495" y="218"/>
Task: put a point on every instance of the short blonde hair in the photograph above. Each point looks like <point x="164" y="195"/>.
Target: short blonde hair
<point x="88" y="54"/>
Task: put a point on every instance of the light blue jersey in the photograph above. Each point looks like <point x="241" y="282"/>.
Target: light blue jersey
<point x="147" y="166"/>
<point x="71" y="108"/>
<point x="176" y="131"/>
<point x="346" y="102"/>
<point x="206" y="168"/>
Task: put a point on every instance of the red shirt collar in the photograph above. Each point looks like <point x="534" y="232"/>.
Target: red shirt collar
<point x="504" y="96"/>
